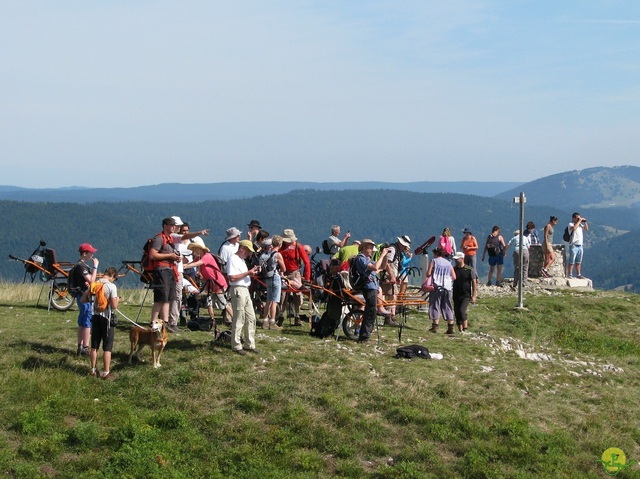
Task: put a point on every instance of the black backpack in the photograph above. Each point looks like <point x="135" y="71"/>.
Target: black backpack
<point x="357" y="279"/>
<point x="413" y="351"/>
<point x="566" y="236"/>
<point x="493" y="245"/>
<point x="74" y="283"/>
<point x="323" y="327"/>
<point x="200" y="324"/>
<point x="326" y="249"/>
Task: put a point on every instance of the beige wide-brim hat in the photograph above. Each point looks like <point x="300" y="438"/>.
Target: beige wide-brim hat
<point x="403" y="242"/>
<point x="233" y="233"/>
<point x="197" y="243"/>
<point x="289" y="236"/>
<point x="365" y="242"/>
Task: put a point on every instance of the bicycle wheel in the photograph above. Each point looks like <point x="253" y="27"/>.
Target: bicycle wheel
<point x="60" y="297"/>
<point x="351" y="324"/>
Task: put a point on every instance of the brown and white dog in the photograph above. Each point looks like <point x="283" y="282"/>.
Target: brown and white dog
<point x="154" y="337"/>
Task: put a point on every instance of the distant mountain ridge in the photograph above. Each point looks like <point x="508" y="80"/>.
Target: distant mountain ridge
<point x="614" y="187"/>
<point x="236" y="190"/>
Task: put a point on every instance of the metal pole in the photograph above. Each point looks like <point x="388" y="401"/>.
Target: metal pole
<point x="520" y="272"/>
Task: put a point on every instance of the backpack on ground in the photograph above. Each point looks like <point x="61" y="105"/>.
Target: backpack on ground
<point x="268" y="265"/>
<point x="324" y="326"/>
<point x="566" y="236"/>
<point x="200" y="324"/>
<point x="356" y="278"/>
<point x="413" y="351"/>
<point x="101" y="302"/>
<point x="493" y="245"/>
<point x="326" y="249"/>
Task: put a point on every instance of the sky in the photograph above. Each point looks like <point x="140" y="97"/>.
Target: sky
<point x="125" y="93"/>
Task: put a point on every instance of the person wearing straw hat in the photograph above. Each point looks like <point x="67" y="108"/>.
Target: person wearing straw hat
<point x="243" y="325"/>
<point x="369" y="269"/>
<point x="295" y="257"/>
<point x="216" y="283"/>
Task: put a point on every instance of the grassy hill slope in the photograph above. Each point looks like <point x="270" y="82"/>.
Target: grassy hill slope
<point x="527" y="394"/>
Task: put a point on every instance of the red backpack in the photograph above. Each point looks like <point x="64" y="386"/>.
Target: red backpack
<point x="147" y="265"/>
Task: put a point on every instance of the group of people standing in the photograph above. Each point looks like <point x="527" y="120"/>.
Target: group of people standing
<point x="177" y="254"/>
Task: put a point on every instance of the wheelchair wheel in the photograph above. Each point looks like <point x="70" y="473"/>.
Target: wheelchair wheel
<point x="60" y="297"/>
<point x="351" y="324"/>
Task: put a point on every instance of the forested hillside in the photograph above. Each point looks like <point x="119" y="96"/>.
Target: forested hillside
<point x="119" y="230"/>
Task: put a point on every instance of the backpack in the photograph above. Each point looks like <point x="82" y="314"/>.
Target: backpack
<point x="101" y="301"/>
<point x="566" y="236"/>
<point x="268" y="265"/>
<point x="445" y="246"/>
<point x="74" y="283"/>
<point x="200" y="324"/>
<point x="357" y="279"/>
<point x="493" y="245"/>
<point x="413" y="351"/>
<point x="147" y="265"/>
<point x="323" y="327"/>
<point x="326" y="249"/>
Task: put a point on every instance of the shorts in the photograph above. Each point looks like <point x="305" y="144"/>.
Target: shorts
<point x="164" y="286"/>
<point x="101" y="332"/>
<point x="274" y="288"/>
<point x="575" y="254"/>
<point x="497" y="260"/>
<point x="85" y="311"/>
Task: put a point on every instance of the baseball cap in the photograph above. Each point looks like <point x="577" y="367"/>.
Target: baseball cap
<point x="86" y="248"/>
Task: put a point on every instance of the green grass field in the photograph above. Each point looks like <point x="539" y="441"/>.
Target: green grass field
<point x="541" y="393"/>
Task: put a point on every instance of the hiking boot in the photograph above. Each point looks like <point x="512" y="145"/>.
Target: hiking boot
<point x="297" y="322"/>
<point x="488" y="283"/>
<point x="450" y="329"/>
<point x="172" y="328"/>
<point x="253" y="351"/>
<point x="274" y="326"/>
<point x="390" y="320"/>
<point x="241" y="352"/>
<point x="265" y="324"/>
<point x="580" y="276"/>
<point x="93" y="373"/>
<point x="499" y="283"/>
<point x="433" y="328"/>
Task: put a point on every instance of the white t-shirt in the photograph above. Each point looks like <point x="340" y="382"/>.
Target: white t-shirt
<point x="228" y="250"/>
<point x="236" y="265"/>
<point x="576" y="236"/>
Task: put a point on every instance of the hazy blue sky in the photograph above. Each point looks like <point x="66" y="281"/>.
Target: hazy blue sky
<point x="125" y="93"/>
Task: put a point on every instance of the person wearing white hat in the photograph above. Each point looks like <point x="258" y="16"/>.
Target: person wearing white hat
<point x="230" y="245"/>
<point x="465" y="290"/>
<point x="165" y="256"/>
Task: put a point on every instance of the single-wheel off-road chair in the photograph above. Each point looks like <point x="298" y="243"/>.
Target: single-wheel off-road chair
<point x="43" y="264"/>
